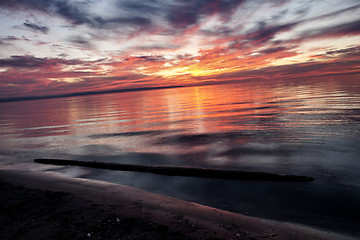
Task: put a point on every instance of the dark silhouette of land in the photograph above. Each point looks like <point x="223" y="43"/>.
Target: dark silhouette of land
<point x="86" y="93"/>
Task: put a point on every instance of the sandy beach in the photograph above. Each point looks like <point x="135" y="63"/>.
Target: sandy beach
<point x="41" y="205"/>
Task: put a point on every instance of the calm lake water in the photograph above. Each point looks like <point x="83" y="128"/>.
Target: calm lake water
<point x="301" y="126"/>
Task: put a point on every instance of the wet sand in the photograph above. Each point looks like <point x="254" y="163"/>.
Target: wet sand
<point x="40" y="205"/>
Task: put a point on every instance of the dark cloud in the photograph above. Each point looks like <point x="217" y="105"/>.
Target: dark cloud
<point x="265" y="33"/>
<point x="33" y="62"/>
<point x="190" y="12"/>
<point x="309" y="69"/>
<point x="341" y="29"/>
<point x="36" y="27"/>
<point x="274" y="50"/>
<point x="337" y="13"/>
<point x="181" y="14"/>
<point x="223" y="7"/>
<point x="302" y="11"/>
<point x="144" y="14"/>
<point x="8" y="40"/>
<point x="130" y="76"/>
<point x="157" y="47"/>
<point x="22" y="61"/>
<point x="280" y="15"/>
<point x="343" y="54"/>
<point x="350" y="28"/>
<point x="344" y="29"/>
<point x="220" y="31"/>
<point x="344" y="50"/>
<point x="76" y="12"/>
<point x="80" y="41"/>
<point x="19" y="81"/>
<point x="143" y="7"/>
<point x="116" y="22"/>
<point x="315" y="69"/>
<point x="145" y="59"/>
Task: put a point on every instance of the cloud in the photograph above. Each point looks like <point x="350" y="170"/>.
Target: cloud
<point x="344" y="51"/>
<point x="273" y="50"/>
<point x="265" y="33"/>
<point x="26" y="61"/>
<point x="29" y="75"/>
<point x="187" y="41"/>
<point x="180" y="14"/>
<point x="143" y="7"/>
<point x="218" y="31"/>
<point x="142" y="59"/>
<point x="129" y="76"/>
<point x="8" y="40"/>
<point x="70" y="10"/>
<point x="300" y="70"/>
<point x="191" y="12"/>
<point x="76" y="12"/>
<point x="151" y="47"/>
<point x="351" y="28"/>
<point x="43" y="76"/>
<point x="135" y="21"/>
<point x="36" y="27"/>
<point x="22" y="61"/>
<point x="81" y="41"/>
<point x="343" y="54"/>
<point x="332" y="29"/>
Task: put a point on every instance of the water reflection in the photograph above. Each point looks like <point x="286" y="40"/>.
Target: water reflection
<point x="303" y="126"/>
<point x="221" y="120"/>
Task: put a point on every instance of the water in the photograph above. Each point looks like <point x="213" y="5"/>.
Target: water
<point x="294" y="126"/>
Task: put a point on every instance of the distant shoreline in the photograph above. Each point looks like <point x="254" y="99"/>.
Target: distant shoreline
<point x="86" y="93"/>
<point x="199" y="84"/>
<point x="49" y="205"/>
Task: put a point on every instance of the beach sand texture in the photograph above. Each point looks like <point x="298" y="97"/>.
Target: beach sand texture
<point x="42" y="205"/>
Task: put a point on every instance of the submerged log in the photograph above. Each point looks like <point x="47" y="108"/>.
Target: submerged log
<point x="182" y="171"/>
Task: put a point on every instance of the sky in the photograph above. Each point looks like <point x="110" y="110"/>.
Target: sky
<point x="52" y="47"/>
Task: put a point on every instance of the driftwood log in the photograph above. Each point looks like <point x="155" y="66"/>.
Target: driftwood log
<point x="182" y="171"/>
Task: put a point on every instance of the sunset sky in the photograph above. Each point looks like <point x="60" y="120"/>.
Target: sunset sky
<point x="69" y="46"/>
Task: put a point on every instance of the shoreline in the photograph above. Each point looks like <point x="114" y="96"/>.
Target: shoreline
<point x="81" y="208"/>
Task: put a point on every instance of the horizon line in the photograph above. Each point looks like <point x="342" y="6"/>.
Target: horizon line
<point x="87" y="93"/>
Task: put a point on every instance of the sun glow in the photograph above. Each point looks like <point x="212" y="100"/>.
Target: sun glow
<point x="198" y="72"/>
<point x="201" y="42"/>
<point x="67" y="79"/>
<point x="172" y="72"/>
<point x="191" y="70"/>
